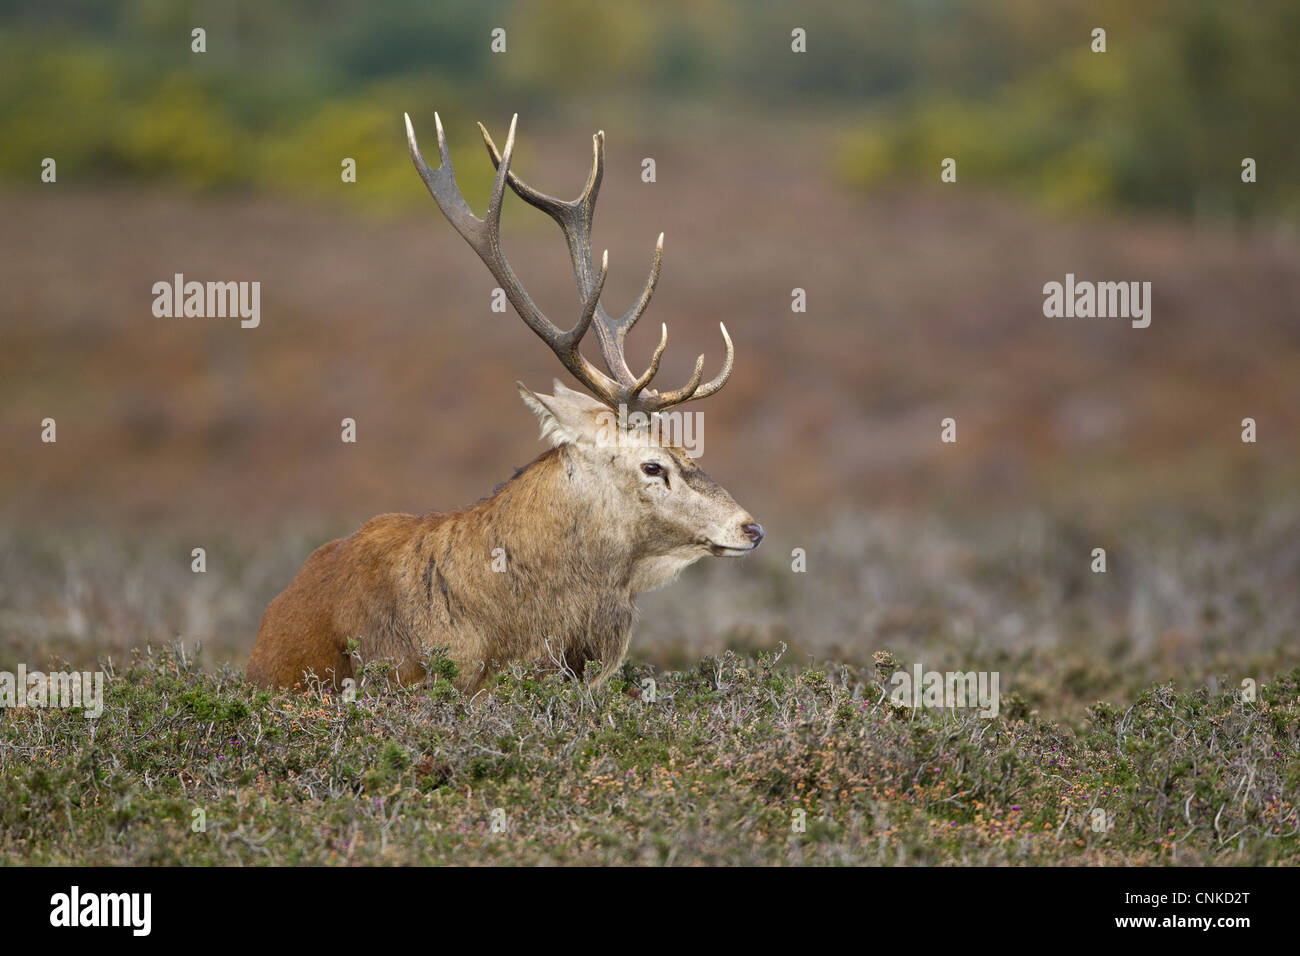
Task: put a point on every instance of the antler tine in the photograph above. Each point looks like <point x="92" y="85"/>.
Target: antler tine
<point x="571" y="215"/>
<point x="441" y="182"/>
<point x="574" y="218"/>
<point x="653" y="368"/>
<point x="633" y="315"/>
<point x="484" y="237"/>
<point x="693" y="389"/>
<point x="719" y="380"/>
<point x="493" y="218"/>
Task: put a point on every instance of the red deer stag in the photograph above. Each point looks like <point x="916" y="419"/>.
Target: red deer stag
<point x="545" y="570"/>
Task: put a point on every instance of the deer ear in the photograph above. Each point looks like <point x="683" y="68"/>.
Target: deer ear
<point x="560" y="390"/>
<point x="567" y="417"/>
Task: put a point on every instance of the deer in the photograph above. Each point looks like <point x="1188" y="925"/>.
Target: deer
<point x="545" y="571"/>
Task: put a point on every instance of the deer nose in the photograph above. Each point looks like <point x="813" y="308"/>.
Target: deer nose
<point x="753" y="531"/>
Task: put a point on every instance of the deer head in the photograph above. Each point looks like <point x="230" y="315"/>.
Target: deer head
<point x="639" y="485"/>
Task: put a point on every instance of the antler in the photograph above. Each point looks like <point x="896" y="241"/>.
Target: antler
<point x="574" y="219"/>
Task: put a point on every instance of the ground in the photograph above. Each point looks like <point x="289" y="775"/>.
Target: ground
<point x="739" y="760"/>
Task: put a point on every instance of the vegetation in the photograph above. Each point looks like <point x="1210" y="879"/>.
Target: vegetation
<point x="1161" y="120"/>
<point x="714" y="769"/>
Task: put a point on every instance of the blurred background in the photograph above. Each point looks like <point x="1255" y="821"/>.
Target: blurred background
<point x="775" y="170"/>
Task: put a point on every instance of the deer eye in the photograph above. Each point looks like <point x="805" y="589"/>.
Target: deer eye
<point x="652" y="468"/>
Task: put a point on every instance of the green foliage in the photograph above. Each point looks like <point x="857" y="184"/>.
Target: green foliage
<point x="179" y="132"/>
<point x="1009" y="89"/>
<point x="200" y="704"/>
<point x="441" y="673"/>
<point x="1161" y="120"/>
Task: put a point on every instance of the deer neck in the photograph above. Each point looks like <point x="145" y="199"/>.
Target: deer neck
<point x="555" y="515"/>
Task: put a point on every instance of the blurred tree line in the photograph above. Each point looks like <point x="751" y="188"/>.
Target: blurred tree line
<point x="1009" y="88"/>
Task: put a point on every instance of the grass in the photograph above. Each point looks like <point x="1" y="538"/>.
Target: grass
<point x="713" y="769"/>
